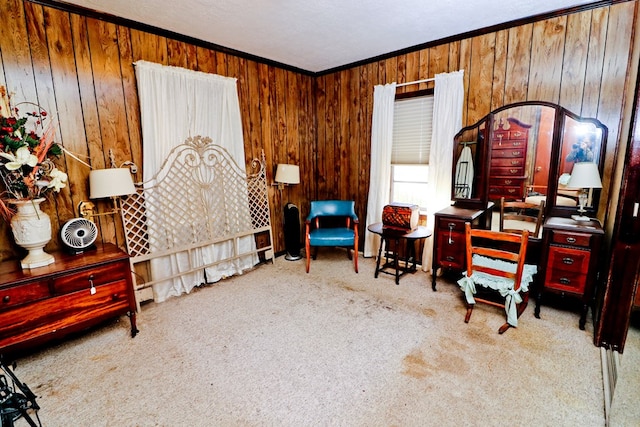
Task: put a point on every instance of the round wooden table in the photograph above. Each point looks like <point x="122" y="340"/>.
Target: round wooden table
<point x="392" y="239"/>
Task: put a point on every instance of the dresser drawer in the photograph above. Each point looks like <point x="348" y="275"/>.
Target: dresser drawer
<point x="451" y="250"/>
<point x="53" y="316"/>
<point x="507" y="162"/>
<point x="567" y="269"/>
<point x="572" y="239"/>
<point x="508" y="172"/>
<point x="449" y="224"/>
<point x="498" y="144"/>
<point x="567" y="281"/>
<point x="22" y="294"/>
<point x="83" y="280"/>
<point x="508" y="153"/>
<point x="509" y="192"/>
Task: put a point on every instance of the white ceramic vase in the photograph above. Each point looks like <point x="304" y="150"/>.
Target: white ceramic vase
<point x="32" y="231"/>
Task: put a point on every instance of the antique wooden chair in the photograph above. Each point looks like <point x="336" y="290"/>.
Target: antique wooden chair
<point x="514" y="214"/>
<point x="332" y="223"/>
<point x="496" y="264"/>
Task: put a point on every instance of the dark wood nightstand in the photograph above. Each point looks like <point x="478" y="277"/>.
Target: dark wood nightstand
<point x="73" y="293"/>
<point x="449" y="239"/>
<point x="569" y="263"/>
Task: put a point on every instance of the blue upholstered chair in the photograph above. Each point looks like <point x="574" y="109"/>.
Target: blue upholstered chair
<point x="332" y="223"/>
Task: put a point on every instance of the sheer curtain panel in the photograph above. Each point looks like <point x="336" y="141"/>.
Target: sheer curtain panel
<point x="447" y="120"/>
<point x="381" y="145"/>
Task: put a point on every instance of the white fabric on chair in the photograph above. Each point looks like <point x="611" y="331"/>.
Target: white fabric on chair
<point x="501" y="284"/>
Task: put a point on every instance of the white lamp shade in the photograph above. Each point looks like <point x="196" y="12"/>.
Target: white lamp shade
<point x="585" y="175"/>
<point x="288" y="174"/>
<point x="110" y="183"/>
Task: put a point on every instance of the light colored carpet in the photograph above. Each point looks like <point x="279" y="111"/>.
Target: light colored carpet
<point x="279" y="347"/>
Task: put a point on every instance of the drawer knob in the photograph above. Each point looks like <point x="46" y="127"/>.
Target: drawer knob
<point x="115" y="297"/>
<point x="567" y="260"/>
<point x="564" y="281"/>
<point x="571" y="239"/>
<point x="6" y="299"/>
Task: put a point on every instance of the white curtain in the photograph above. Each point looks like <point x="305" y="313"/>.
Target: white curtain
<point x="176" y="103"/>
<point x="381" y="144"/>
<point x="447" y="120"/>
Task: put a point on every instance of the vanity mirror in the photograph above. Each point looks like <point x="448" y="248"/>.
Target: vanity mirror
<point x="527" y="151"/>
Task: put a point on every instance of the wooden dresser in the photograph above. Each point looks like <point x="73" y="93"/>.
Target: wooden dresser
<point x="508" y="160"/>
<point x="73" y="293"/>
<point x="570" y="260"/>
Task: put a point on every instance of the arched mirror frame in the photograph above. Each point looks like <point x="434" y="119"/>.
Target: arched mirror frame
<point x="480" y="196"/>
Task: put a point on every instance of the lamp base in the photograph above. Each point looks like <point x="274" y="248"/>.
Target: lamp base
<point x="290" y="257"/>
<point x="580" y="218"/>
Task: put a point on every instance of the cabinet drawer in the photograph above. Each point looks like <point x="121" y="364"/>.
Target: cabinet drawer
<point x="567" y="269"/>
<point x="573" y="239"/>
<point x="449" y="224"/>
<point x="568" y="281"/>
<point x="506" y="182"/>
<point x="566" y="259"/>
<point x="54" y="316"/>
<point x="22" y="294"/>
<point x="82" y="280"/>
<point x="508" y="153"/>
<point x="506" y="162"/>
<point x="518" y="143"/>
<point x="451" y="250"/>
<point x="510" y="192"/>
<point x="508" y="172"/>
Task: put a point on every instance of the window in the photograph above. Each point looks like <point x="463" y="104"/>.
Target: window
<point x="410" y="154"/>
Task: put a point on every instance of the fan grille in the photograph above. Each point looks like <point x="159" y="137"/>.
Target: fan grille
<point x="79" y="233"/>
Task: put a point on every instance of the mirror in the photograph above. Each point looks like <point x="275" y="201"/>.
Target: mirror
<point x="526" y="151"/>
<point x="521" y="144"/>
<point x="468" y="173"/>
<point x="582" y="140"/>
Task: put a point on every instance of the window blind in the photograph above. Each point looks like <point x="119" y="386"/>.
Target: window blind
<point x="412" y="123"/>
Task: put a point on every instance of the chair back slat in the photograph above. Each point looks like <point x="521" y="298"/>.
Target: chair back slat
<point x="487" y="243"/>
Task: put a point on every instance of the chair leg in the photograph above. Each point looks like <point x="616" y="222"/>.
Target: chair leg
<point x="307" y="250"/>
<point x="355" y="260"/>
<point x="469" y="311"/>
<point x="504" y="328"/>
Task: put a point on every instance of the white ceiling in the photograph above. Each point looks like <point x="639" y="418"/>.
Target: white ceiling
<point x="319" y="35"/>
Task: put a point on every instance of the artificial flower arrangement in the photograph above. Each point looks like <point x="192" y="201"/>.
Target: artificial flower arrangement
<point x="26" y="165"/>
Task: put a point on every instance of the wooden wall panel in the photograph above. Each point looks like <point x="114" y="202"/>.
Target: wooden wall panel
<point x="82" y="69"/>
<point x="579" y="59"/>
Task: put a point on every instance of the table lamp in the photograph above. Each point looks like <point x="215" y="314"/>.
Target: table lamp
<point x="584" y="176"/>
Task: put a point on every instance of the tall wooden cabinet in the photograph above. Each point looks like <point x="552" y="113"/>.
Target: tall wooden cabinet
<point x="508" y="160"/>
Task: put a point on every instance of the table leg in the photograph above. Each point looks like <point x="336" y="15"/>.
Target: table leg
<point x="379" y="256"/>
<point x="397" y="260"/>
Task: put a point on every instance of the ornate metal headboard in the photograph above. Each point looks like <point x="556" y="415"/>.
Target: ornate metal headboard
<point x="199" y="197"/>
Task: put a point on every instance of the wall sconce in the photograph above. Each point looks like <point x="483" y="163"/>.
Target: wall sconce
<point x="585" y="176"/>
<point x="287" y="175"/>
<point x="103" y="183"/>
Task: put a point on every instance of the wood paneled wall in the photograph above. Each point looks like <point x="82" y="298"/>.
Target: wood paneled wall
<point x="579" y="61"/>
<point x="81" y="71"/>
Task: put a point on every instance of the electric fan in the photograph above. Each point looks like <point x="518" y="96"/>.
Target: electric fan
<point x="78" y="235"/>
